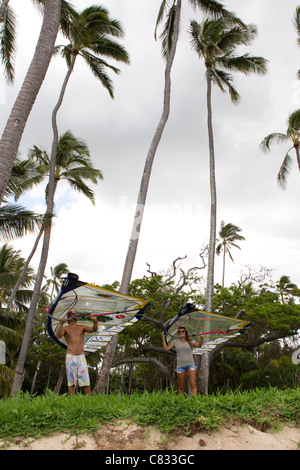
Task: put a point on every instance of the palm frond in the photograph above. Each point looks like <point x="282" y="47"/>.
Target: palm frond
<point x="225" y="79"/>
<point x="216" y="10"/>
<point x="7" y="43"/>
<point x="245" y="64"/>
<point x="296" y="23"/>
<point x="15" y="221"/>
<point x="162" y="9"/>
<point x="284" y="171"/>
<point x="293" y="122"/>
<point x="276" y="137"/>
<point x="97" y="66"/>
<point x="167" y="33"/>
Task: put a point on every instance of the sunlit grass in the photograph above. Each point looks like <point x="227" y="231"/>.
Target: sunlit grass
<point x="24" y="416"/>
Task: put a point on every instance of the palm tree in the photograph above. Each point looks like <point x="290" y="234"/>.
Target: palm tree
<point x="17" y="120"/>
<point x="90" y="34"/>
<point x="75" y="166"/>
<point x="58" y="273"/>
<point x="228" y="234"/>
<point x="172" y="10"/>
<point x="215" y="41"/>
<point x="291" y="136"/>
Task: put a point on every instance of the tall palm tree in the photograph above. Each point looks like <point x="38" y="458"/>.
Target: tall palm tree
<point x="90" y="34"/>
<point x="292" y="136"/>
<point x="216" y="41"/>
<point x="172" y="10"/>
<point x="17" y="120"/>
<point x="228" y="234"/>
<point x="74" y="165"/>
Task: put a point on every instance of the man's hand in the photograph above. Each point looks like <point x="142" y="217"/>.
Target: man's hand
<point x="94" y="318"/>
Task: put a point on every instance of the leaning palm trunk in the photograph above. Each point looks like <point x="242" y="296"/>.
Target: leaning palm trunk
<point x="102" y="381"/>
<point x="54" y="149"/>
<point x="204" y="369"/>
<point x="17" y="383"/>
<point x="17" y="120"/>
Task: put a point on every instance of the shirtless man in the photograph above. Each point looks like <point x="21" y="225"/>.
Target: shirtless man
<point x="76" y="364"/>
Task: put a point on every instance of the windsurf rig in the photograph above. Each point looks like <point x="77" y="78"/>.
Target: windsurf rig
<point x="214" y="329"/>
<point x="114" y="311"/>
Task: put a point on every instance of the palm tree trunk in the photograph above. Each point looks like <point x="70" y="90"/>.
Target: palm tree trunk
<point x="223" y="276"/>
<point x="46" y="242"/>
<point x="17" y="120"/>
<point x="298" y="156"/>
<point x="102" y="380"/>
<point x="204" y="368"/>
<point x="213" y="202"/>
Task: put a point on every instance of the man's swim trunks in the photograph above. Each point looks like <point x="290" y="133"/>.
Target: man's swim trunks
<point x="77" y="370"/>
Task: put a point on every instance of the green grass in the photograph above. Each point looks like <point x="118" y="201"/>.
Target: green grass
<point x="24" y="416"/>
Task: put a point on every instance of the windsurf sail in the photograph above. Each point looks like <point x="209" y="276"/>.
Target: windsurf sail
<point x="114" y="311"/>
<point x="214" y="329"/>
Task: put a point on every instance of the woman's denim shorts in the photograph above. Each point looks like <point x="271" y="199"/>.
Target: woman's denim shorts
<point x="185" y="368"/>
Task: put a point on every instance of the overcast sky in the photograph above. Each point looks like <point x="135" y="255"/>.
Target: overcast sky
<point x="93" y="240"/>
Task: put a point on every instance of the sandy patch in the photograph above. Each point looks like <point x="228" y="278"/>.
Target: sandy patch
<point x="126" y="436"/>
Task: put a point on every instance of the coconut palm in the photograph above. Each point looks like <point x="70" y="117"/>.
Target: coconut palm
<point x="58" y="273"/>
<point x="216" y="41"/>
<point x="90" y="33"/>
<point x="75" y="166"/>
<point x="292" y="136"/>
<point x="228" y="234"/>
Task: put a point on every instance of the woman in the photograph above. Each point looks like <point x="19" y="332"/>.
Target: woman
<point x="185" y="360"/>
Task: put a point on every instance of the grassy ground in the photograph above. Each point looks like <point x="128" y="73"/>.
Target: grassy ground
<point x="39" y="416"/>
